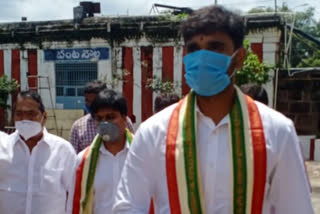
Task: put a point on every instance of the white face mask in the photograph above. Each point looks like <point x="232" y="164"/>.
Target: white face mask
<point x="28" y="128"/>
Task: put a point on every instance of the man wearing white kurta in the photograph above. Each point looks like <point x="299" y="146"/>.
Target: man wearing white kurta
<point x="36" y="168"/>
<point x="110" y="107"/>
<point x="214" y="34"/>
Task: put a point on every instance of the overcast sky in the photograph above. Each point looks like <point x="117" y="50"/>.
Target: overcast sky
<point x="36" y="10"/>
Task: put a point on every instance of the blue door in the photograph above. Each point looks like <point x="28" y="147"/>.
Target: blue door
<point x="70" y="81"/>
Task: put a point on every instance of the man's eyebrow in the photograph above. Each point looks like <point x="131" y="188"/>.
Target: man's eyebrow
<point x="215" y="44"/>
<point x="192" y="45"/>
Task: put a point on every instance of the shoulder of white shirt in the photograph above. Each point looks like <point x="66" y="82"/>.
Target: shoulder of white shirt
<point x="55" y="140"/>
<point x="3" y="134"/>
<point x="160" y="119"/>
<point x="273" y="117"/>
<point x="52" y="140"/>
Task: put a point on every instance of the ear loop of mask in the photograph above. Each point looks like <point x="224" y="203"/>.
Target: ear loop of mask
<point x="42" y="126"/>
<point x="234" y="54"/>
<point x="42" y="117"/>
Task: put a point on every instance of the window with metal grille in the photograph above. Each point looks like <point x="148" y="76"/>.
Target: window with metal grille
<point x="70" y="81"/>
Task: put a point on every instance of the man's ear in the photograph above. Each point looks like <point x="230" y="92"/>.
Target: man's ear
<point x="124" y="118"/>
<point x="240" y="58"/>
<point x="45" y="117"/>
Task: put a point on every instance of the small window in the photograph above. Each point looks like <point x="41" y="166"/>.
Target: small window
<point x="59" y="91"/>
<point x="80" y="91"/>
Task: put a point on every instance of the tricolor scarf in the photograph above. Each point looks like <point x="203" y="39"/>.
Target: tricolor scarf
<point x="83" y="194"/>
<point x="248" y="153"/>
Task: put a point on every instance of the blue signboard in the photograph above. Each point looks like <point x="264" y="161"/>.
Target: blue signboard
<point x="76" y="54"/>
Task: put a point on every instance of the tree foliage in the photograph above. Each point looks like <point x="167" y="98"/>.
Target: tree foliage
<point x="313" y="61"/>
<point x="162" y="87"/>
<point x="253" y="71"/>
<point x="7" y="87"/>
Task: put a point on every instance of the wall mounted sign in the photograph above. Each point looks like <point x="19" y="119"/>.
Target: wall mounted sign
<point x="76" y="54"/>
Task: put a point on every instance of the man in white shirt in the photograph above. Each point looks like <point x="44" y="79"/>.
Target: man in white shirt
<point x="267" y="176"/>
<point x="36" y="168"/>
<point x="110" y="154"/>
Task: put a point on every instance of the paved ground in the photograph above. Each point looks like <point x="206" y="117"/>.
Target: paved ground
<point x="314" y="175"/>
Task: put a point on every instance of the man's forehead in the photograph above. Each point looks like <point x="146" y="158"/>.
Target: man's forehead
<point x="214" y="36"/>
<point x="210" y="41"/>
<point x="26" y="104"/>
<point x="90" y="94"/>
<point x="107" y="111"/>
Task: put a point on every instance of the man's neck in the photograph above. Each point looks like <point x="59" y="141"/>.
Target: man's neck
<point x="217" y="106"/>
<point x="115" y="147"/>
<point x="33" y="141"/>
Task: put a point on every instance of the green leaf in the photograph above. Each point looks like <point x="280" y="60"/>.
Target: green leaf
<point x="252" y="71"/>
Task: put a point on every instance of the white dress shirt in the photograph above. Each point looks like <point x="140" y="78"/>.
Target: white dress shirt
<point x="35" y="182"/>
<point x="144" y="175"/>
<point x="108" y="172"/>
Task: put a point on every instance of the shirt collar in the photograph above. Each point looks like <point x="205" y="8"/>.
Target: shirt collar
<point x="105" y="152"/>
<point x="45" y="138"/>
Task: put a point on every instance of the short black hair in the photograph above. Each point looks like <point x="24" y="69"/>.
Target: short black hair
<point x="95" y="87"/>
<point x="33" y="95"/>
<point x="109" y="99"/>
<point x="256" y="92"/>
<point x="164" y="100"/>
<point x="208" y="20"/>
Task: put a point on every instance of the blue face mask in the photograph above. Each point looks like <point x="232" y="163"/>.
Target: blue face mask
<point x="206" y="72"/>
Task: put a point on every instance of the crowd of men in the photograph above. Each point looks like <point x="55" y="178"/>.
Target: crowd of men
<point x="215" y="151"/>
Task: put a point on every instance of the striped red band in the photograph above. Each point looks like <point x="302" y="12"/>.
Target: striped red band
<point x="171" y="161"/>
<point x="77" y="192"/>
<point x="260" y="157"/>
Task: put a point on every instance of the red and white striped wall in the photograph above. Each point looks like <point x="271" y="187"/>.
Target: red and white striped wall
<point x="142" y="63"/>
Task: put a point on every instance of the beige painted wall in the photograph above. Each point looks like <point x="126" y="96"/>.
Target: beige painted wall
<point x="65" y="119"/>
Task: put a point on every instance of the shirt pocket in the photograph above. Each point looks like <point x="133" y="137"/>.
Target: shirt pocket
<point x="51" y="180"/>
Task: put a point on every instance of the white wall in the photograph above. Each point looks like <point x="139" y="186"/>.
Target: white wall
<point x="46" y="69"/>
